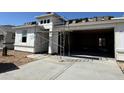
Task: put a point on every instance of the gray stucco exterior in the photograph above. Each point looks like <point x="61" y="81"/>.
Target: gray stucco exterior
<point x="7" y="36"/>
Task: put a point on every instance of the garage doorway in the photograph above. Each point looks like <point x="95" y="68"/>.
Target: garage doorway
<point x="98" y="42"/>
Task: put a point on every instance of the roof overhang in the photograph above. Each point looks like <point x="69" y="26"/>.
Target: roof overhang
<point x="50" y="15"/>
<point x="88" y="25"/>
<point x="28" y="26"/>
<point x="45" y="15"/>
<point x="99" y="22"/>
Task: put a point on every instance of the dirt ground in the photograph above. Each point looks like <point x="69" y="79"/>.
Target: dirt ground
<point x="15" y="57"/>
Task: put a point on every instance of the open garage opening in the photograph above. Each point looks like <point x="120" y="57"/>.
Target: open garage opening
<point x="98" y="42"/>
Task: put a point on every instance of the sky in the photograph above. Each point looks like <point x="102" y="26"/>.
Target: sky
<point x="19" y="18"/>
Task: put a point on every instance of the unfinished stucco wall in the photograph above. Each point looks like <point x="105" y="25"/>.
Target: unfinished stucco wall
<point x="119" y="41"/>
<point x="1" y="42"/>
<point x="41" y="42"/>
<point x="9" y="39"/>
<point x="8" y="36"/>
<point x="53" y="36"/>
<point x="55" y="42"/>
<point x="50" y="27"/>
<point x="27" y="46"/>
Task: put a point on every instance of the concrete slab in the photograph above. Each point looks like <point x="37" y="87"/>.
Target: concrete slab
<point x="108" y="70"/>
<point x="72" y="69"/>
<point x="38" y="70"/>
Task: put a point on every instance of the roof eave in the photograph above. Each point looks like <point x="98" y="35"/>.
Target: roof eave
<point x="45" y="15"/>
<point x="25" y="26"/>
<point x="99" y="22"/>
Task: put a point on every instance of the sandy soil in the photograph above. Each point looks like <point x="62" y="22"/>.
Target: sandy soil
<point x="16" y="57"/>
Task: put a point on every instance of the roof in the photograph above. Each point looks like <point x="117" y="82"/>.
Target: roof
<point x="49" y="15"/>
<point x="99" y="22"/>
<point x="83" y="24"/>
<point x="118" y="18"/>
<point x="27" y="26"/>
<point x="85" y="20"/>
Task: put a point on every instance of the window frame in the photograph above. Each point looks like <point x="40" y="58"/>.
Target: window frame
<point x="102" y="42"/>
<point x="24" y="36"/>
<point x="41" y="22"/>
<point x="45" y="21"/>
<point x="48" y="21"/>
<point x="13" y="35"/>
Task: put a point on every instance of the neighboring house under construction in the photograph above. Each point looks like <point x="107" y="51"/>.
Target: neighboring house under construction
<point x="7" y="36"/>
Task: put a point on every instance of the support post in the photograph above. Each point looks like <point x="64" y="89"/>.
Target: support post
<point x="69" y="44"/>
<point x="4" y="53"/>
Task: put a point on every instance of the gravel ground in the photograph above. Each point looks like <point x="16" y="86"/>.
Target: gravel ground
<point x="16" y="57"/>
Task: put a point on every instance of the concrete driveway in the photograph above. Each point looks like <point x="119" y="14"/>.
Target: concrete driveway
<point x="50" y="69"/>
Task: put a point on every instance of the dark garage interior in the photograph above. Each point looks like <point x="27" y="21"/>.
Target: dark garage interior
<point x="98" y="42"/>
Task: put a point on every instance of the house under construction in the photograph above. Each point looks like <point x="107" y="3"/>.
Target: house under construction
<point x="51" y="33"/>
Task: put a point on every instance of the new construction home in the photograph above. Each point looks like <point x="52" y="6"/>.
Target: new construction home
<point x="52" y="34"/>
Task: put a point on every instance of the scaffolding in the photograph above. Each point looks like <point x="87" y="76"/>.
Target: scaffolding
<point x="62" y="34"/>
